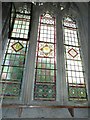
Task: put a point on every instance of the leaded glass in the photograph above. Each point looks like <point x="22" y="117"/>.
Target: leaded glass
<point x="21" y="26"/>
<point x="45" y="71"/>
<point x="12" y="68"/>
<point x="17" y="46"/>
<point x="13" y="64"/>
<point x="21" y="22"/>
<point x="10" y="90"/>
<point x="45" y="92"/>
<point x="75" y="74"/>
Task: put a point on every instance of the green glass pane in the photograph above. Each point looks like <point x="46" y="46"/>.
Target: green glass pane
<point x="73" y="92"/>
<point x="15" y="73"/>
<point x="5" y="68"/>
<point x="52" y="78"/>
<point x="12" y="89"/>
<point x="16" y="63"/>
<point x="17" y="69"/>
<point x="21" y="58"/>
<point x="19" y="76"/>
<point x="48" y="79"/>
<point x="48" y="66"/>
<point x="39" y="72"/>
<point x="13" y="34"/>
<point x="10" y="69"/>
<point x="82" y="92"/>
<point x="6" y="62"/>
<point x="42" y="79"/>
<point x="44" y="60"/>
<point x="52" y="72"/>
<point x="13" y="76"/>
<point x="39" y="65"/>
<point x="23" y="26"/>
<point x="15" y="26"/>
<point x="38" y="78"/>
<point x="26" y="31"/>
<point x="2" y="88"/>
<point x="12" y="57"/>
<point x="9" y="76"/>
<point x="42" y="72"/>
<point x="8" y="56"/>
<point x="21" y="63"/>
<point x="48" y="60"/>
<point x="17" y="57"/>
<point x="52" y="66"/>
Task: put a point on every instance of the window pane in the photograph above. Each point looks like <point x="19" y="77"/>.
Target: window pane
<point x="45" y="71"/>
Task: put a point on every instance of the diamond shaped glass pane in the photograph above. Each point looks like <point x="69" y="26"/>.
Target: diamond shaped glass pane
<point x="17" y="46"/>
<point x="72" y="52"/>
<point x="46" y="49"/>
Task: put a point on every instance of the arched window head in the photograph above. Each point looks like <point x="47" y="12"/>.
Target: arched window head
<point x="75" y="74"/>
<point x="45" y="68"/>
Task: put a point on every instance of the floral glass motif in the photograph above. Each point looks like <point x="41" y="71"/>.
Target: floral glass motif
<point x="45" y="71"/>
<point x="73" y="61"/>
<point x="17" y="46"/>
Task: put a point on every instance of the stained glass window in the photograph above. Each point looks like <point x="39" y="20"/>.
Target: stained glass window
<point x="45" y="68"/>
<point x="75" y="73"/>
<point x="13" y="64"/>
